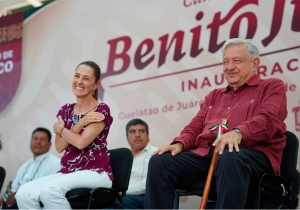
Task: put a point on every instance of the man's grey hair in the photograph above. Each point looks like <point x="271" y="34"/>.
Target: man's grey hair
<point x="250" y="46"/>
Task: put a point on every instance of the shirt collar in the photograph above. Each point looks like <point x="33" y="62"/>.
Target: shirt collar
<point x="147" y="147"/>
<point x="40" y="157"/>
<point x="253" y="81"/>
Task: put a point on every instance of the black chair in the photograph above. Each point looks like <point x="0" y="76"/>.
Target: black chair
<point x="86" y="198"/>
<point x="271" y="192"/>
<point x="2" y="176"/>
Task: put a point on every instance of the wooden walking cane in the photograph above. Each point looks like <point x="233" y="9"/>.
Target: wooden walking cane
<point x="221" y="129"/>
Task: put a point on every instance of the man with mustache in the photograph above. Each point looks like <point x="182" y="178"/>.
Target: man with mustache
<point x="137" y="133"/>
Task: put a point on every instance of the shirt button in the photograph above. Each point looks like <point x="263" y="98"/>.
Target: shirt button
<point x="228" y="107"/>
<point x="234" y="94"/>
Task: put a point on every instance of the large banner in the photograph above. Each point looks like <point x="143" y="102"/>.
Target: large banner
<point x="159" y="58"/>
<point x="10" y="57"/>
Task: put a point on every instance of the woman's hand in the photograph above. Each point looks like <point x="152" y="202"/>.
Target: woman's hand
<point x="59" y="125"/>
<point x="92" y="117"/>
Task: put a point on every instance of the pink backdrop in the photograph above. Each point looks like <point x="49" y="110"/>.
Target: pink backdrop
<point x="159" y="58"/>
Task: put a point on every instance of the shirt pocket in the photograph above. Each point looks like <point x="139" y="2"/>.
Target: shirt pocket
<point x="239" y="113"/>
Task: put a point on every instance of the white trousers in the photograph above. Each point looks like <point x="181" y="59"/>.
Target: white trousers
<point x="51" y="190"/>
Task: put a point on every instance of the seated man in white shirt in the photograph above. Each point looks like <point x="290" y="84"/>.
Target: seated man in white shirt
<point x="41" y="164"/>
<point x="137" y="133"/>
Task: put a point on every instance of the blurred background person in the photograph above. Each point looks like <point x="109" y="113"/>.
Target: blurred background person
<point x="42" y="163"/>
<point x="137" y="133"/>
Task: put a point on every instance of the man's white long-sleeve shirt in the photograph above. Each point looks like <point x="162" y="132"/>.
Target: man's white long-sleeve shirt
<point x="42" y="165"/>
<point x="137" y="183"/>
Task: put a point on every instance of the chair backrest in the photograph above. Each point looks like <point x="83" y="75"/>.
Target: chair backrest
<point x="290" y="156"/>
<point x="121" y="163"/>
<point x="2" y="176"/>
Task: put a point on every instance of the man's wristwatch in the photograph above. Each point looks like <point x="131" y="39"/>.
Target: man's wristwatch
<point x="237" y="130"/>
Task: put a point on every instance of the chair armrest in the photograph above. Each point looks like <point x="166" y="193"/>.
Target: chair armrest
<point x="272" y="184"/>
<point x="105" y="196"/>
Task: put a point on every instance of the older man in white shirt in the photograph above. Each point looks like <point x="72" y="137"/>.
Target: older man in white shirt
<point x="137" y="133"/>
<point x="42" y="163"/>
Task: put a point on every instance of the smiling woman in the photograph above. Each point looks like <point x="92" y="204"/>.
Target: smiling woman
<point x="81" y="131"/>
<point x="85" y="81"/>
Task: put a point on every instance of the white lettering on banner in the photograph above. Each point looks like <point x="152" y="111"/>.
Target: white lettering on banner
<point x="8" y="54"/>
<point x="6" y="67"/>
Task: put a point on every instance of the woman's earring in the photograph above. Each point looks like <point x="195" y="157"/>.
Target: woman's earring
<point x="93" y="92"/>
